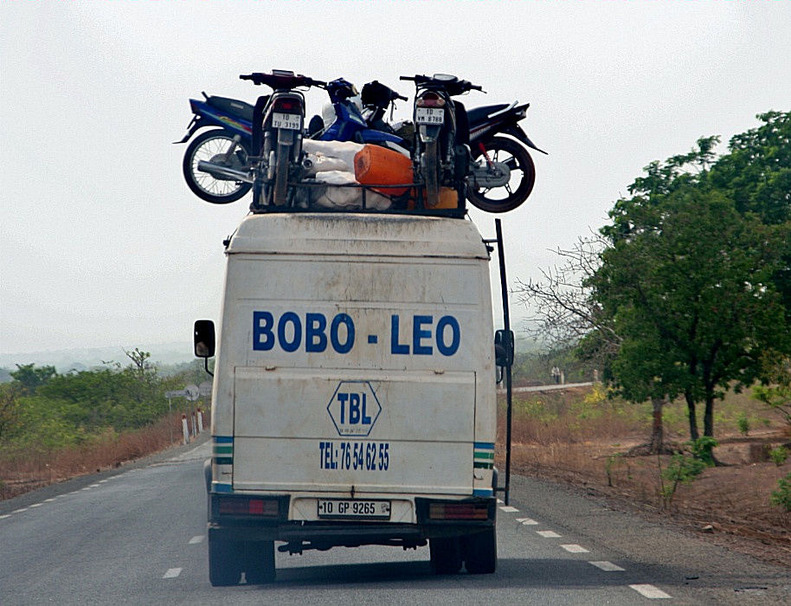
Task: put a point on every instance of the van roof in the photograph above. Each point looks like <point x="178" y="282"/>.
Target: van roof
<point x="357" y="234"/>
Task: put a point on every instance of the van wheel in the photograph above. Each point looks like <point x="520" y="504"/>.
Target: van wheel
<point x="480" y="552"/>
<point x="445" y="555"/>
<point x="259" y="562"/>
<point x="224" y="568"/>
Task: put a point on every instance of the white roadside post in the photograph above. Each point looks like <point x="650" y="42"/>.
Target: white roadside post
<point x="205" y="389"/>
<point x="191" y="393"/>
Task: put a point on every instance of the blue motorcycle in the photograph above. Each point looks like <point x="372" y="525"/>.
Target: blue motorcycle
<point x="362" y="123"/>
<point x="227" y="146"/>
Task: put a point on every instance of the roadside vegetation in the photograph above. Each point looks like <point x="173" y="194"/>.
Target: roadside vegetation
<point x="682" y="303"/>
<point x="54" y="426"/>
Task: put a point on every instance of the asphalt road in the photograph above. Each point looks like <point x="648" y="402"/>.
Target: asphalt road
<point x="137" y="536"/>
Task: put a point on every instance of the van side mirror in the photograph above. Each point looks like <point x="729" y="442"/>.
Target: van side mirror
<point x="203" y="339"/>
<point x="504" y="348"/>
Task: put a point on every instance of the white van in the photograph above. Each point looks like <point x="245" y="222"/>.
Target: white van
<point x="354" y="392"/>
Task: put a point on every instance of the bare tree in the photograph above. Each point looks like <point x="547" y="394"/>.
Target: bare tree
<point x="562" y="310"/>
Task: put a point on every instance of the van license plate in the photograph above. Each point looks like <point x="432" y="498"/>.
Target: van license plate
<point x="344" y="509"/>
<point x="289" y="121"/>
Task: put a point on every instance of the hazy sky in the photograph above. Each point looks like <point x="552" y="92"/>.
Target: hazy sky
<point x="101" y="242"/>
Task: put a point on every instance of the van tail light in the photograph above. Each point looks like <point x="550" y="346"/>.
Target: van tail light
<point x="249" y="506"/>
<point x="458" y="511"/>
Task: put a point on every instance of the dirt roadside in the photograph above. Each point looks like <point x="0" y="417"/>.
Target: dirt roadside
<point x="727" y="505"/>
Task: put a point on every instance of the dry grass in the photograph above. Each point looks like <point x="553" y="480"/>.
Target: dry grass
<point x="582" y="438"/>
<point x="22" y="472"/>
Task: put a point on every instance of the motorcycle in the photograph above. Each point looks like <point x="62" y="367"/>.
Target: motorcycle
<point x="345" y="121"/>
<point x="441" y="155"/>
<point x="490" y="150"/>
<point x="277" y="135"/>
<point x="227" y="146"/>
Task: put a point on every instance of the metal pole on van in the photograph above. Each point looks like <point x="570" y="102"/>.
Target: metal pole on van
<point x="508" y="342"/>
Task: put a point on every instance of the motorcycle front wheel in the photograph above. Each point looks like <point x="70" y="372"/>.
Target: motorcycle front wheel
<point x="523" y="176"/>
<point x="212" y="146"/>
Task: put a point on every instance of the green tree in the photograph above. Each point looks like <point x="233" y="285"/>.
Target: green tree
<point x="9" y="411"/>
<point x="29" y="377"/>
<point x="692" y="279"/>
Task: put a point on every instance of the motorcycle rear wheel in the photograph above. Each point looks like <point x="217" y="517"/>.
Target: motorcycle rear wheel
<point x="280" y="193"/>
<point x="523" y="176"/>
<point x="430" y="170"/>
<point x="211" y="145"/>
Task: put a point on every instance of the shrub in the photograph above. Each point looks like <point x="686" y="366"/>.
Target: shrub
<point x="778" y="455"/>
<point x="702" y="450"/>
<point x="744" y="424"/>
<point x="682" y="469"/>
<point x="782" y="496"/>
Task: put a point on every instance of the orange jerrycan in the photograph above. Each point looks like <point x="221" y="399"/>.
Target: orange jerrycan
<point x="375" y="165"/>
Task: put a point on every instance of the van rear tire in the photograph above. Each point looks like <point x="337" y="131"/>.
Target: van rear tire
<point x="224" y="562"/>
<point x="480" y="552"/>
<point x="445" y="555"/>
<point x="259" y="562"/>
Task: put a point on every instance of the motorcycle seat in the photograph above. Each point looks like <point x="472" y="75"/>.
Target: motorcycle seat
<point x="232" y="106"/>
<point x="478" y="114"/>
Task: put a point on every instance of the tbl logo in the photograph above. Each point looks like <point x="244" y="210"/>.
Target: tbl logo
<point x="354" y="408"/>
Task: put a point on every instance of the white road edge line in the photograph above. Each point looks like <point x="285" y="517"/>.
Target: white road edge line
<point x="607" y="566"/>
<point x="650" y="592"/>
<point x="3" y="517"/>
<point x="572" y="548"/>
<point x="172" y="573"/>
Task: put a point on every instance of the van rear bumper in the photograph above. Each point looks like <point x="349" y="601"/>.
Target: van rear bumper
<point x="300" y="535"/>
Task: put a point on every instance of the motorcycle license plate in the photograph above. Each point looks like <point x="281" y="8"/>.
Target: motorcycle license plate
<point x="289" y="121"/>
<point x="429" y="115"/>
<point x="345" y="509"/>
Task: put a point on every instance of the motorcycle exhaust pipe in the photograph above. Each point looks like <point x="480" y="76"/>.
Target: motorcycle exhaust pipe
<point x="224" y="173"/>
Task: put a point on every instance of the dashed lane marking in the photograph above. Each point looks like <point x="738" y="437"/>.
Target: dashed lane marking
<point x="509" y="509"/>
<point x="172" y="573"/>
<point x="607" y="566"/>
<point x="548" y="534"/>
<point x="575" y="548"/>
<point x="527" y="521"/>
<point x="36" y="505"/>
<point x="3" y="517"/>
<point x="197" y="539"/>
<point x="650" y="592"/>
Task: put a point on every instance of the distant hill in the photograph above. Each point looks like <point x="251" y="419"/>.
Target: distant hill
<point x="65" y="360"/>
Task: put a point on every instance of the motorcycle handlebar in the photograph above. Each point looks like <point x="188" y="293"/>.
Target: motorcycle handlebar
<point x="284" y="80"/>
<point x="453" y="86"/>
